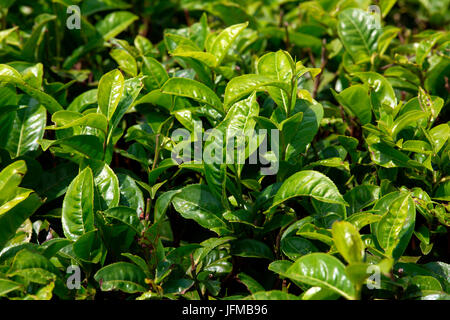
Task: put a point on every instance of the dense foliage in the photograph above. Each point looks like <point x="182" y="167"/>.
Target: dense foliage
<point x="355" y="111"/>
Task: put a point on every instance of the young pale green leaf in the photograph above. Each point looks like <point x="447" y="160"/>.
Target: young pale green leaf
<point x="122" y="276"/>
<point x="224" y="40"/>
<point x="125" y="61"/>
<point x="322" y="270"/>
<point x="308" y="183"/>
<point x="348" y="241"/>
<point x="110" y="91"/>
<point x="10" y="178"/>
<point x="188" y="52"/>
<point x="439" y="136"/>
<point x="192" y="89"/>
<point x="7" y="286"/>
<point x="114" y="23"/>
<point x="132" y="88"/>
<point x="78" y="206"/>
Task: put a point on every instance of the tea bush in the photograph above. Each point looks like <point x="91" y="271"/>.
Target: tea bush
<point x="116" y="180"/>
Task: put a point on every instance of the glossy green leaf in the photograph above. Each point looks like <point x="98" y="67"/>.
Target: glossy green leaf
<point x="122" y="276"/>
<point x="396" y="226"/>
<point x="192" y="89"/>
<point x="125" y="215"/>
<point x="155" y="72"/>
<point x="348" y="241"/>
<point x="198" y="203"/>
<point x="78" y="206"/>
<point x="110" y="91"/>
<point x="224" y="41"/>
<point x="114" y="23"/>
<point x="309" y="183"/>
<point x="359" y="32"/>
<point x="322" y="270"/>
<point x="242" y="86"/>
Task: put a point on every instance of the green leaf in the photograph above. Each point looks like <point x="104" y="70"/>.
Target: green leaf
<point x="295" y="247"/>
<point x="198" y="203"/>
<point x="30" y="49"/>
<point x="11" y="220"/>
<point x="189" y="52"/>
<point x="122" y="276"/>
<point x="155" y="72"/>
<point x="439" y="136"/>
<point x="192" y="89"/>
<point x="357" y="100"/>
<point x="114" y="23"/>
<point x="88" y="146"/>
<point x="125" y="215"/>
<point x="308" y="128"/>
<point x="33" y="267"/>
<point x="381" y="92"/>
<point x="89" y="247"/>
<point x="322" y="270"/>
<point x="252" y="285"/>
<point x="78" y="206"/>
<point x="308" y="183"/>
<point x="106" y="185"/>
<point x="130" y="194"/>
<point x="361" y="196"/>
<point x="272" y="295"/>
<point x="125" y="61"/>
<point x="67" y="119"/>
<point x="359" y="32"/>
<point x="348" y="241"/>
<point x="241" y="86"/>
<point x="224" y="40"/>
<point x="10" y="75"/>
<point x="110" y="91"/>
<point x="10" y="178"/>
<point x="251" y="248"/>
<point x="407" y="119"/>
<point x="278" y="65"/>
<point x="396" y="226"/>
<point x="7" y="286"/>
